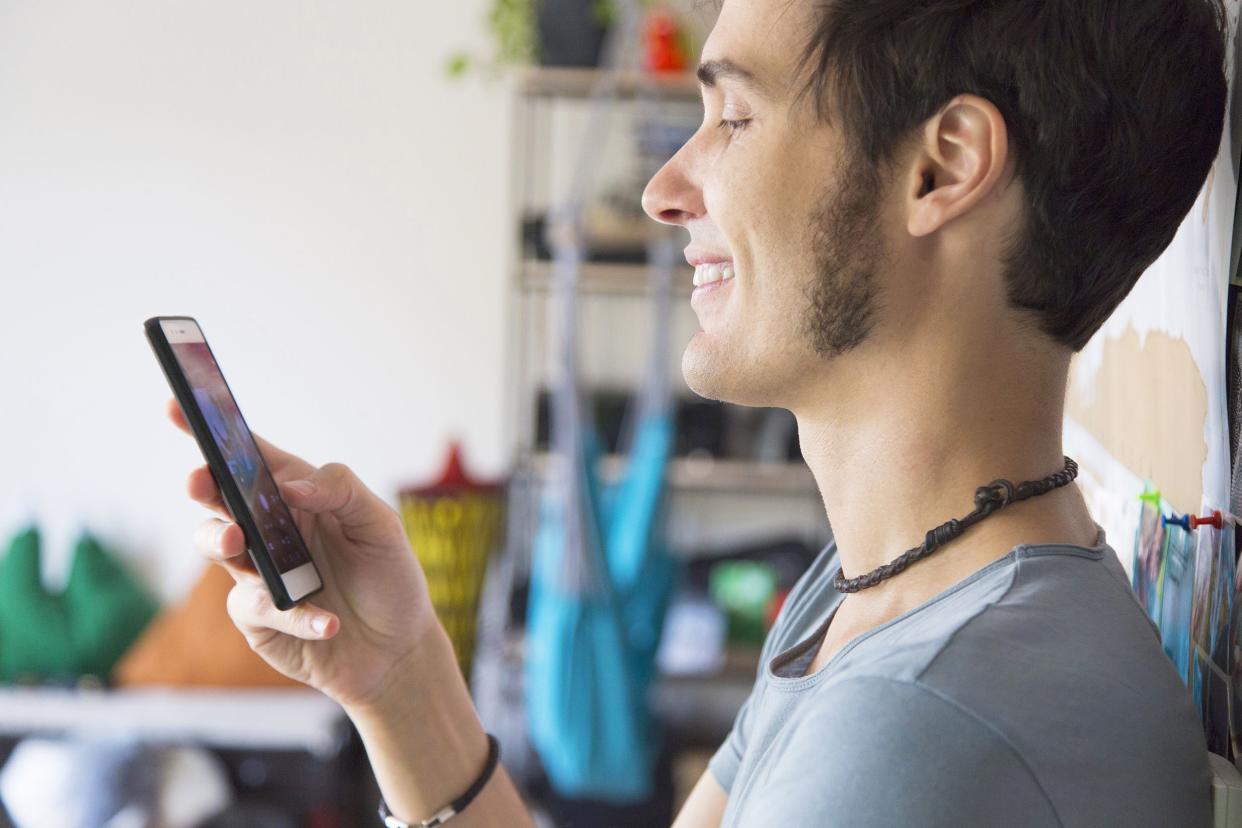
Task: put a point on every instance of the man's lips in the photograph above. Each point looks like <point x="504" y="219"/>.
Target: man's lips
<point x="698" y="256"/>
<point x="713" y="269"/>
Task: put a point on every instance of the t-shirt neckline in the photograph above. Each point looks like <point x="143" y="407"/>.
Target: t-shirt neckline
<point x="791" y="653"/>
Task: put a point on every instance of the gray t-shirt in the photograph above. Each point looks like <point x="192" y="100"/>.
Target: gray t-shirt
<point x="1034" y="692"/>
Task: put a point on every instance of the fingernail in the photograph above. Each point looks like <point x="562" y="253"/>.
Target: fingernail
<point x="319" y="624"/>
<point x="302" y="487"/>
<point x="220" y="530"/>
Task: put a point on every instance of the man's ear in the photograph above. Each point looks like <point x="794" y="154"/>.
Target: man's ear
<point x="959" y="160"/>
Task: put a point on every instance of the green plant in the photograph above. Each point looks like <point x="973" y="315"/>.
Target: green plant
<point x="511" y="24"/>
<point x="605" y="12"/>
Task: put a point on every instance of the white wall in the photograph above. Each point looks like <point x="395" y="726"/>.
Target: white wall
<point x="303" y="178"/>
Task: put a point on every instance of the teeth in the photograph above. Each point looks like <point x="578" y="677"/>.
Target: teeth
<point x="705" y="274"/>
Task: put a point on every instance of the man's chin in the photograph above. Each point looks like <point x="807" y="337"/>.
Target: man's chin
<point x="702" y="369"/>
<point x="719" y="370"/>
<point x="716" y="374"/>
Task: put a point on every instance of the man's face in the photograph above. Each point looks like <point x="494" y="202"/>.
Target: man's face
<point x="768" y="194"/>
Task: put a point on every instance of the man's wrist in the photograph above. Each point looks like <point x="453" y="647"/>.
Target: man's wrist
<point x="421" y="731"/>
<point x="426" y="665"/>
<point x="459" y="803"/>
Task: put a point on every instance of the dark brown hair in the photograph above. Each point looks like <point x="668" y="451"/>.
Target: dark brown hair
<point x="1114" y="110"/>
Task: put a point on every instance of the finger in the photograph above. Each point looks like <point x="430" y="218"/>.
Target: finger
<point x="220" y="541"/>
<point x="280" y="462"/>
<point x="241" y="570"/>
<point x="250" y="606"/>
<point x="334" y="489"/>
<point x="201" y="487"/>
<point x="173" y="409"/>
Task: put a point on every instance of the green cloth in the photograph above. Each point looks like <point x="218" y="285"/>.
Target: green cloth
<point x="34" y="629"/>
<point x="107" y="608"/>
<point x="85" y="630"/>
<point x="743" y="589"/>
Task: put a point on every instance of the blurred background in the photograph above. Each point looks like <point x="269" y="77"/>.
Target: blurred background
<point x="412" y="235"/>
<point x="355" y="203"/>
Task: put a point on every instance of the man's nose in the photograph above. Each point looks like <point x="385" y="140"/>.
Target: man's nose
<point x="673" y="195"/>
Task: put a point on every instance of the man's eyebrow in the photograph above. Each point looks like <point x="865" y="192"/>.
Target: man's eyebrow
<point x="711" y="71"/>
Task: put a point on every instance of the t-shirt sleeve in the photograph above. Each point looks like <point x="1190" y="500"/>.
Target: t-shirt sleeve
<point x="882" y="752"/>
<point x="725" y="762"/>
<point x="728" y="757"/>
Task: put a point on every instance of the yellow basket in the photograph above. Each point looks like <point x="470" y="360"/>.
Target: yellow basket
<point x="453" y="527"/>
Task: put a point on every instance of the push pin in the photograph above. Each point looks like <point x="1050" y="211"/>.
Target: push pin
<point x="1177" y="520"/>
<point x="1152" y="497"/>
<point x="1215" y="520"/>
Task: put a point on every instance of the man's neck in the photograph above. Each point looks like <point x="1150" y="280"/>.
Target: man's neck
<point x="901" y="455"/>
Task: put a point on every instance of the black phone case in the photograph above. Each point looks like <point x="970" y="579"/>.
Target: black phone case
<point x="219" y="469"/>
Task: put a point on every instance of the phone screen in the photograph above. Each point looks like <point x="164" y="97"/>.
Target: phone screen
<point x="272" y="517"/>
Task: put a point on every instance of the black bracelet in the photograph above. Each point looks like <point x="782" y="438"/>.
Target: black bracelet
<point x="457" y="805"/>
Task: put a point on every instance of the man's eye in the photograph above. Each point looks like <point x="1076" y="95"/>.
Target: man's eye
<point x="732" y="127"/>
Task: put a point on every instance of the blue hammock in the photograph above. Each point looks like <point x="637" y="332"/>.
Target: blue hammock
<point x="591" y="641"/>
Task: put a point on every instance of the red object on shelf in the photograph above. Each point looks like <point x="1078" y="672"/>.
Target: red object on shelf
<point x="453" y="478"/>
<point x="662" y="43"/>
<point x="774" y="607"/>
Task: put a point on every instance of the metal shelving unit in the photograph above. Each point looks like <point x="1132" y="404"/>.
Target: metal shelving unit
<point x="716" y="504"/>
<point x="269" y="719"/>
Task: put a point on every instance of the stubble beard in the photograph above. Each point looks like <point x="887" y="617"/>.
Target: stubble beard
<point x="848" y="248"/>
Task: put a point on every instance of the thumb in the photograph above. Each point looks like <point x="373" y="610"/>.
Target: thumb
<point x="334" y="489"/>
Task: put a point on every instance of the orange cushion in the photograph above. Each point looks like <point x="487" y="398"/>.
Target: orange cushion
<point x="195" y="644"/>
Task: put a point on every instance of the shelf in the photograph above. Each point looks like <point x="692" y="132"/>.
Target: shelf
<point x="290" y="719"/>
<point x="714" y="475"/>
<point x="699" y="709"/>
<point x="575" y="82"/>
<point x="604" y="277"/>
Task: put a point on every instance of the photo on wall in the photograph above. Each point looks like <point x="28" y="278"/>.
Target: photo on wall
<point x="1217" y="687"/>
<point x="1176" y="589"/>
<point x="1149" y="555"/>
<point x="1207" y="573"/>
<point x="1234" y="637"/>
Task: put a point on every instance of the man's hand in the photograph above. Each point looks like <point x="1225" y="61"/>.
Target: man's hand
<point x="370" y="640"/>
<point x="374" y="612"/>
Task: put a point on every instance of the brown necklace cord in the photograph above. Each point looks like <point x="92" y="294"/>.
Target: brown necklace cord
<point x="996" y="495"/>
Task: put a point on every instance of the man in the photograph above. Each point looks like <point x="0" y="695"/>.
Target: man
<point x="905" y="217"/>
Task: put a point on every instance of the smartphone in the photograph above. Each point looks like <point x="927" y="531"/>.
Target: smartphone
<point x="246" y="485"/>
